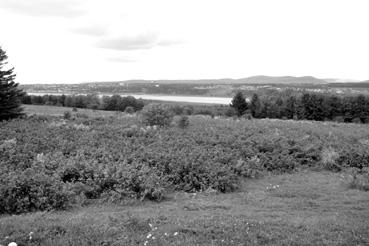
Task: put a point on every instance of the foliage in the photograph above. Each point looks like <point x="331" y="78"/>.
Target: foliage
<point x="50" y="163"/>
<point x="329" y="159"/>
<point x="183" y="121"/>
<point x="156" y="115"/>
<point x="10" y="95"/>
<point x="239" y="103"/>
<point x="311" y="106"/>
<point x="129" y="110"/>
<point x="67" y="115"/>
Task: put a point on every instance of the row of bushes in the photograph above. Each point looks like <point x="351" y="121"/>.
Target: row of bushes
<point x="47" y="163"/>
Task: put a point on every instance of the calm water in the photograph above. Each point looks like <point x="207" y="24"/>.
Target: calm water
<point x="191" y="99"/>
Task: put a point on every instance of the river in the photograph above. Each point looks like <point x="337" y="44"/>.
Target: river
<point x="189" y="99"/>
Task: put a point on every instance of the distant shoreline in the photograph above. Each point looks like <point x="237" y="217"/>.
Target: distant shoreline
<point x="168" y="98"/>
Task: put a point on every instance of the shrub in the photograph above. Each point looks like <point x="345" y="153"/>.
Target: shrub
<point x="129" y="110"/>
<point x="31" y="191"/>
<point x="183" y="122"/>
<point x="339" y="119"/>
<point x="177" y="110"/>
<point x="67" y="115"/>
<point x="188" y="110"/>
<point x="74" y="109"/>
<point x="82" y="115"/>
<point x="357" y="120"/>
<point x="354" y="157"/>
<point x="157" y="114"/>
<point x="230" y="112"/>
<point x="139" y="181"/>
<point x="250" y="168"/>
<point x="329" y="159"/>
<point x="247" y="116"/>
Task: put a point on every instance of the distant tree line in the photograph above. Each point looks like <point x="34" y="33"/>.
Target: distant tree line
<point x="110" y="103"/>
<point x="305" y="106"/>
<point x="119" y="103"/>
<point x="284" y="105"/>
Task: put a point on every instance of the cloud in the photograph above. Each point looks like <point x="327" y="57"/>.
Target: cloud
<point x="90" y="30"/>
<point x="169" y="42"/>
<point x="44" y="8"/>
<point x="121" y="59"/>
<point x="138" y="42"/>
<point x="141" y="41"/>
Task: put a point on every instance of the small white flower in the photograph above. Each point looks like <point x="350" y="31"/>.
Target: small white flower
<point x="175" y="234"/>
<point x="149" y="235"/>
<point x="166" y="234"/>
<point x="12" y="244"/>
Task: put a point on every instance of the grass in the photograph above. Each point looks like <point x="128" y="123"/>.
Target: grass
<point x="305" y="208"/>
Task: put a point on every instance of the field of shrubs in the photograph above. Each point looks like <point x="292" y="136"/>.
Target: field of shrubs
<point x="50" y="162"/>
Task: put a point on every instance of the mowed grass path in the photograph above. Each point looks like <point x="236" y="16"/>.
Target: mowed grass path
<point x="304" y="208"/>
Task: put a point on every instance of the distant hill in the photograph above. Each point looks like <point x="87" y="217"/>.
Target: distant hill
<point x="281" y="80"/>
<point x="203" y="87"/>
<point x="249" y="80"/>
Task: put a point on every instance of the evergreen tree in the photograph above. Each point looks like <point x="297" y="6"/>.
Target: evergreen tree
<point x="290" y="107"/>
<point x="239" y="103"/>
<point x="255" y="106"/>
<point x="332" y="107"/>
<point x="279" y="108"/>
<point x="10" y="95"/>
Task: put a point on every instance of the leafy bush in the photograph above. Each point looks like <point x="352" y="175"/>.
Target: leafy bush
<point x="356" y="157"/>
<point x="49" y="163"/>
<point x="67" y="115"/>
<point x="30" y="191"/>
<point x="230" y="112"/>
<point x="329" y="159"/>
<point x="247" y="116"/>
<point x="183" y="122"/>
<point x="250" y="168"/>
<point x="157" y="114"/>
<point x="81" y="115"/>
<point x="129" y="110"/>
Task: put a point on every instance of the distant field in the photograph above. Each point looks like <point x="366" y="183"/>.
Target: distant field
<point x="115" y="181"/>
<point x="59" y="111"/>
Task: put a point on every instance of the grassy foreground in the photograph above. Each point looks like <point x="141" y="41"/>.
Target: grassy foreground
<point x="306" y="208"/>
<point x="295" y="201"/>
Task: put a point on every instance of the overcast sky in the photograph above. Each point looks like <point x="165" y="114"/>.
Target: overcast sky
<point x="68" y="41"/>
